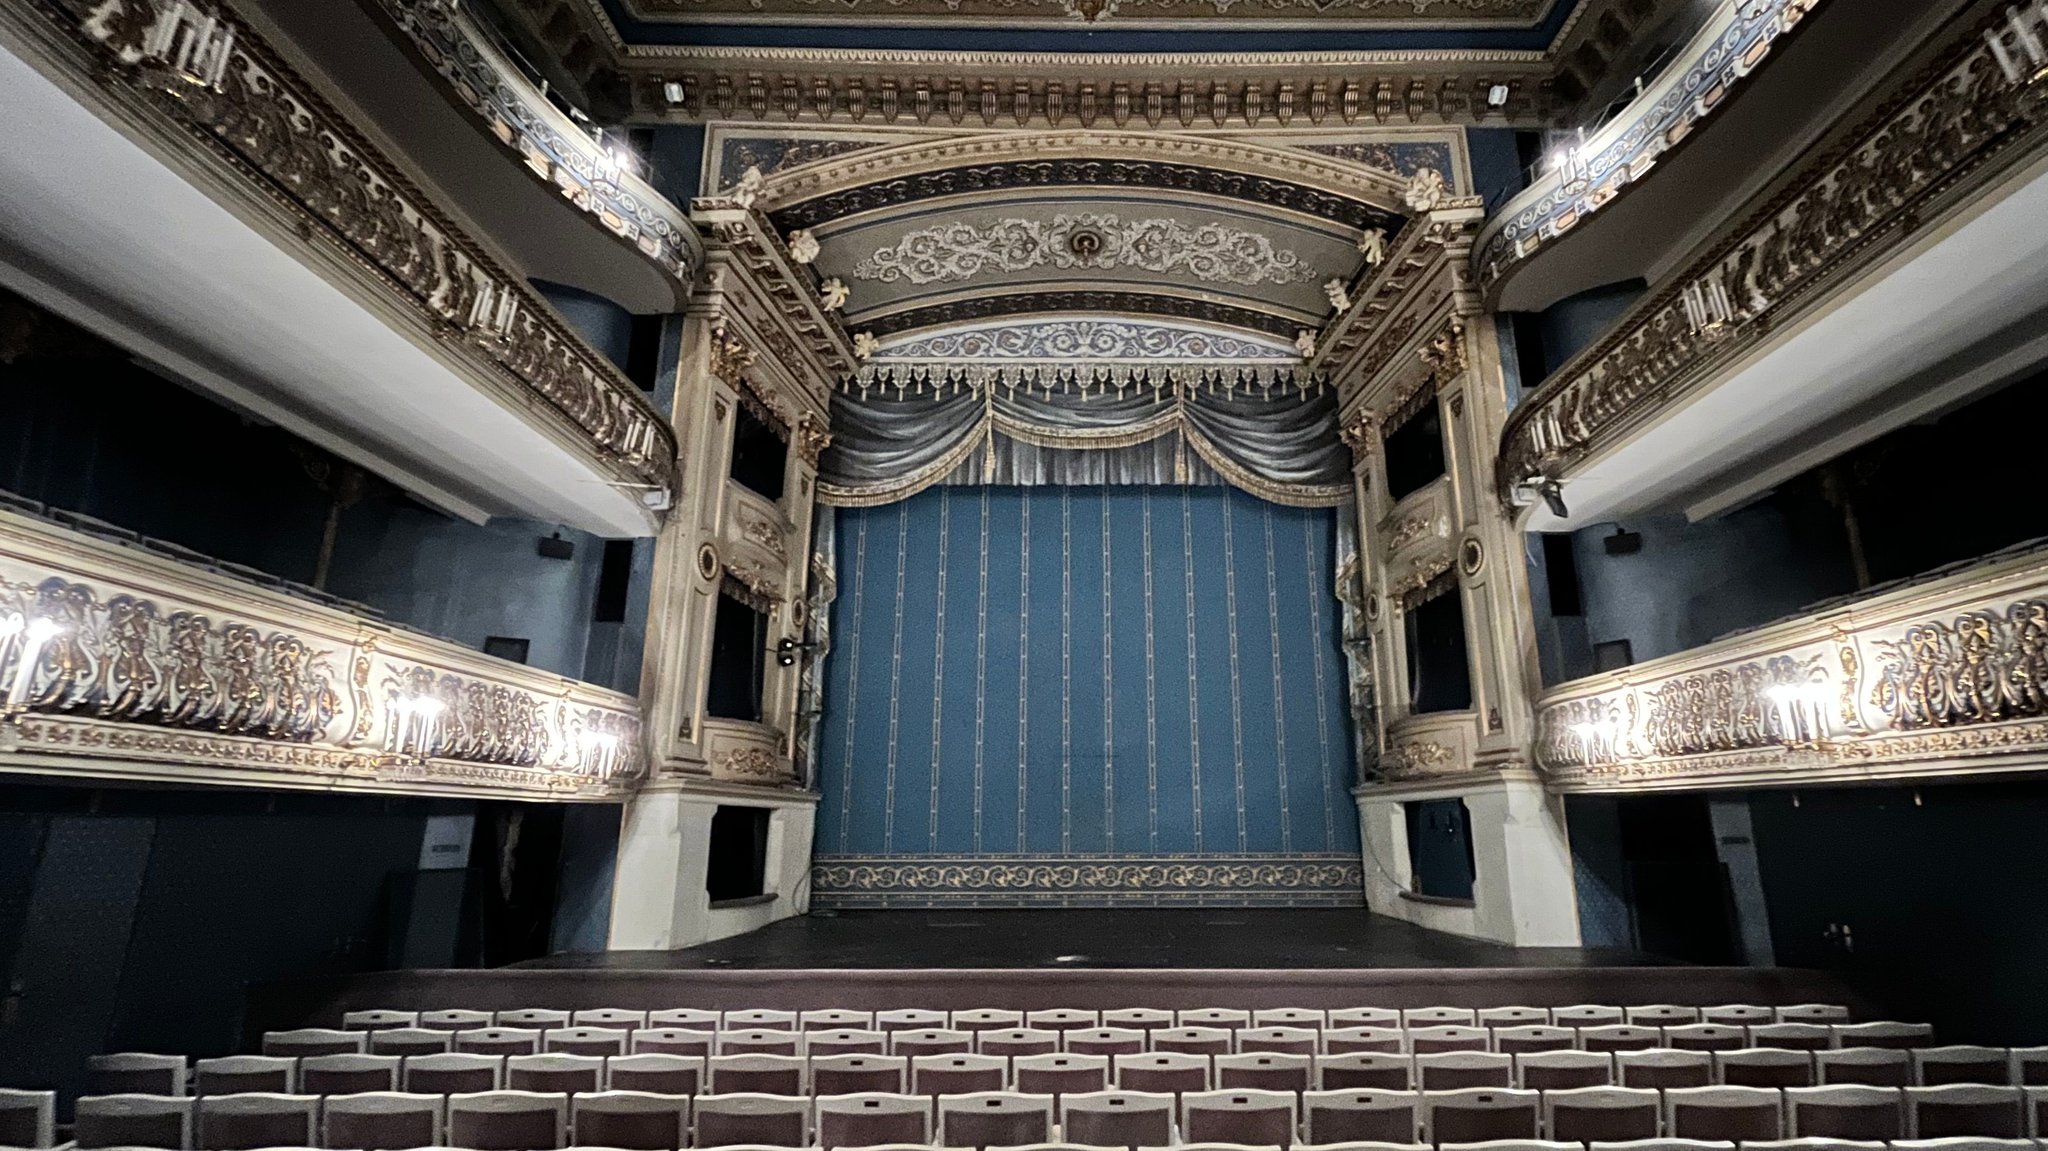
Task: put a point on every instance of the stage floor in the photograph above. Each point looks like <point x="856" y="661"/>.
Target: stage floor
<point x="1099" y="938"/>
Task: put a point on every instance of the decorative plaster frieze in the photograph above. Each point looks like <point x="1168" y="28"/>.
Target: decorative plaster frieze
<point x="1209" y="252"/>
<point x="943" y="881"/>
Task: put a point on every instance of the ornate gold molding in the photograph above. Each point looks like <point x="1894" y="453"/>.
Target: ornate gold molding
<point x="117" y="661"/>
<point x="1937" y="677"/>
<point x="1937" y="139"/>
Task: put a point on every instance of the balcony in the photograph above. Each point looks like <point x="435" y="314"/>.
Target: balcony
<point x="123" y="658"/>
<point x="1939" y="676"/>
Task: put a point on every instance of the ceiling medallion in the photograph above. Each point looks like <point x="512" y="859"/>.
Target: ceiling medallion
<point x="1086" y="243"/>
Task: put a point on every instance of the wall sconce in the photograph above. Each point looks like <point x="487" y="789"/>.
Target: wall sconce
<point x="29" y="636"/>
<point x="416" y="727"/>
<point x="1803" y="710"/>
<point x="599" y="753"/>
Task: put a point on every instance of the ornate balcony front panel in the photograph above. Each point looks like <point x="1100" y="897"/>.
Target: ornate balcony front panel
<point x="205" y="84"/>
<point x="1940" y="677"/>
<point x="118" y="661"/>
<point x="1936" y="141"/>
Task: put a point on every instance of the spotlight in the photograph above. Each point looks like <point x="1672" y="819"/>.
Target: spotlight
<point x="1497" y="96"/>
<point x="1553" y="498"/>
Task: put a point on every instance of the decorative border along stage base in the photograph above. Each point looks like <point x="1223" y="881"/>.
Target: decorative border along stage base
<point x="913" y="881"/>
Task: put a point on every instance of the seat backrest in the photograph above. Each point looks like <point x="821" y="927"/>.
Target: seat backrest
<point x="1448" y="1037"/>
<point x="1660" y="1015"/>
<point x="2029" y="1067"/>
<point x="382" y="1119"/>
<point x="1882" y="1034"/>
<point x="1513" y="1145"/>
<point x="452" y="1073"/>
<point x="1193" y="1040"/>
<point x="1813" y="1144"/>
<point x="1867" y="1066"/>
<point x="1062" y="1019"/>
<point x="1280" y="1040"/>
<point x="623" y="1019"/>
<point x="835" y="1019"/>
<point x="761" y="1041"/>
<point x="255" y="1119"/>
<point x="454" y="1019"/>
<point x="958" y="1074"/>
<point x="931" y="1041"/>
<point x="1813" y="1013"/>
<point x="1959" y="1109"/>
<point x="1361" y="1116"/>
<point x="673" y="1041"/>
<point x="236" y="1074"/>
<point x="859" y="1074"/>
<point x="686" y="1018"/>
<point x="868" y="1119"/>
<point x="1313" y="1018"/>
<point x="1227" y="1018"/>
<point x="1738" y="1015"/>
<point x="987" y="1019"/>
<point x="1365" y="1070"/>
<point x="1563" y="1070"/>
<point x="1246" y="1116"/>
<point x="1060" y="1074"/>
<point x="1364" y="1017"/>
<point x="1705" y="1037"/>
<point x="1603" y="1114"/>
<point x="910" y="1019"/>
<point x="1512" y="1016"/>
<point x="1453" y="1070"/>
<point x="581" y="1040"/>
<point x="1742" y="1114"/>
<point x="508" y="1121"/>
<point x="755" y="1075"/>
<point x="133" y="1121"/>
<point x="1845" y="1112"/>
<point x="1764" y="1067"/>
<point x="532" y="1018"/>
<point x="1533" y="1037"/>
<point x="405" y="1041"/>
<point x="1128" y="1119"/>
<point x="27" y="1118"/>
<point x="135" y="1073"/>
<point x="1014" y="1041"/>
<point x="1796" y="1036"/>
<point x="1663" y="1067"/>
<point x="498" y="1041"/>
<point x="1413" y="1017"/>
<point x="1347" y="1040"/>
<point x="1480" y="1115"/>
<point x="1140" y="1018"/>
<point x="1587" y="1015"/>
<point x="638" y="1120"/>
<point x="994" y="1119"/>
<point x="1619" y="1037"/>
<point x="760" y="1019"/>
<point x="348" y="1074"/>
<point x="655" y="1073"/>
<point x="378" y="1020"/>
<point x="548" y="1074"/>
<point x="1934" y="1066"/>
<point x="1173" y="1072"/>
<point x="1105" y="1041"/>
<point x="1265" y="1071"/>
<point x="314" y="1041"/>
<point x="1964" y="1143"/>
<point x="845" y="1041"/>
<point x="750" y="1118"/>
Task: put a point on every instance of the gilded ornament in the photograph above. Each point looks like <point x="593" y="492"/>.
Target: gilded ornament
<point x="1209" y="252"/>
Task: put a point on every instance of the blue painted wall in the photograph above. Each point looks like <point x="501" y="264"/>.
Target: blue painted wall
<point x="1023" y="678"/>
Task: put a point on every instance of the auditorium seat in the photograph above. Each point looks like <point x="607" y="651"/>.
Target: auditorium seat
<point x="532" y="1018"/>
<point x="1619" y="1037"/>
<point x="987" y="1019"/>
<point x="1105" y="1041"/>
<point x="1764" y="1067"/>
<point x="1137" y="1018"/>
<point x="1964" y="1143"/>
<point x="845" y="1041"/>
<point x="1346" y="1040"/>
<point x="1010" y="1042"/>
<point x="255" y="1119"/>
<point x="994" y="1119"/>
<point x="1813" y="1013"/>
<point x="1361" y="1116"/>
<point x="382" y="1120"/>
<point x="1845" y="1112"/>
<point x="1363" y="1017"/>
<point x="27" y="1118"/>
<point x="1563" y="1070"/>
<point x="1413" y="1017"/>
<point x="454" y="1019"/>
<point x="585" y="1040"/>
<point x="631" y="1120"/>
<point x="1314" y="1018"/>
<point x="1264" y="1071"/>
<point x="1365" y="1070"/>
<point x="859" y="1074"/>
<point x="1246" y="1115"/>
<point x="673" y="1041"/>
<point x="1062" y="1019"/>
<point x="1814" y="1144"/>
<point x="1127" y="1119"/>
<point x="1453" y="1070"/>
<point x="1607" y="1114"/>
<point x="1162" y="1071"/>
<point x="1867" y="1066"/>
<point x="760" y="1019"/>
<point x="687" y="1018"/>
<point x="1738" y="1015"/>
<point x="655" y="1073"/>
<point x="835" y="1019"/>
<point x="1662" y="1067"/>
<point x="1362" y="1146"/>
<point x="960" y="1075"/>
<point x="135" y="1073"/>
<point x="1480" y="1115"/>
<point x="910" y="1019"/>
<point x="554" y="1074"/>
<point x="1660" y="1015"/>
<point x="760" y="1041"/>
<point x="615" y="1017"/>
<point x="1069" y="1146"/>
<point x="235" y="1074"/>
<point x="1587" y="1015"/>
<point x="1533" y="1037"/>
<point x="931" y="1041"/>
<point x="1705" y="1037"/>
<point x="751" y="1118"/>
<point x="1934" y="1066"/>
<point x="1738" y="1114"/>
<point x="1497" y="1017"/>
<point x="1060" y="1074"/>
<point x="1512" y="1145"/>
<point x="2029" y="1067"/>
<point x="405" y="1041"/>
<point x="1219" y="1147"/>
<point x="867" y="1119"/>
<point x="2037" y="1111"/>
<point x="508" y="1121"/>
<point x="754" y="1075"/>
<point x="1794" y="1036"/>
<point x="498" y="1041"/>
<point x="1227" y="1018"/>
<point x="378" y="1020"/>
<point x="133" y="1120"/>
<point x="1430" y="1040"/>
<point x="1667" y="1143"/>
<point x="314" y="1041"/>
<point x="1280" y="1040"/>
<point x="453" y="1073"/>
<point x="1957" y="1109"/>
<point x="1882" y="1034"/>
<point x="1193" y="1040"/>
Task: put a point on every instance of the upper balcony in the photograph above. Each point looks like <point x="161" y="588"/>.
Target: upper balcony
<point x="124" y="658"/>
<point x="192" y="195"/>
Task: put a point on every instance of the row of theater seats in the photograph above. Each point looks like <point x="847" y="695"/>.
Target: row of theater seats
<point x="1059" y="1073"/>
<point x="1294" y="1040"/>
<point x="641" y="1121"/>
<point x="1075" y="1019"/>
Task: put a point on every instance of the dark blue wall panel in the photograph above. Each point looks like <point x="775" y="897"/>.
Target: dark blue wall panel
<point x="1085" y="695"/>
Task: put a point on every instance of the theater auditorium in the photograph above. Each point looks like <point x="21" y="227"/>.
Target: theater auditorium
<point x="1024" y="575"/>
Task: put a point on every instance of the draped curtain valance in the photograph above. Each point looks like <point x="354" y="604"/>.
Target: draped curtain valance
<point x="897" y="431"/>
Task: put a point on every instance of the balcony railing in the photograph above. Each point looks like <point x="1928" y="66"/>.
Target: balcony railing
<point x="1584" y="176"/>
<point x="1937" y="676"/>
<point x="203" y="77"/>
<point x="122" y="659"/>
<point x="1937" y="139"/>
